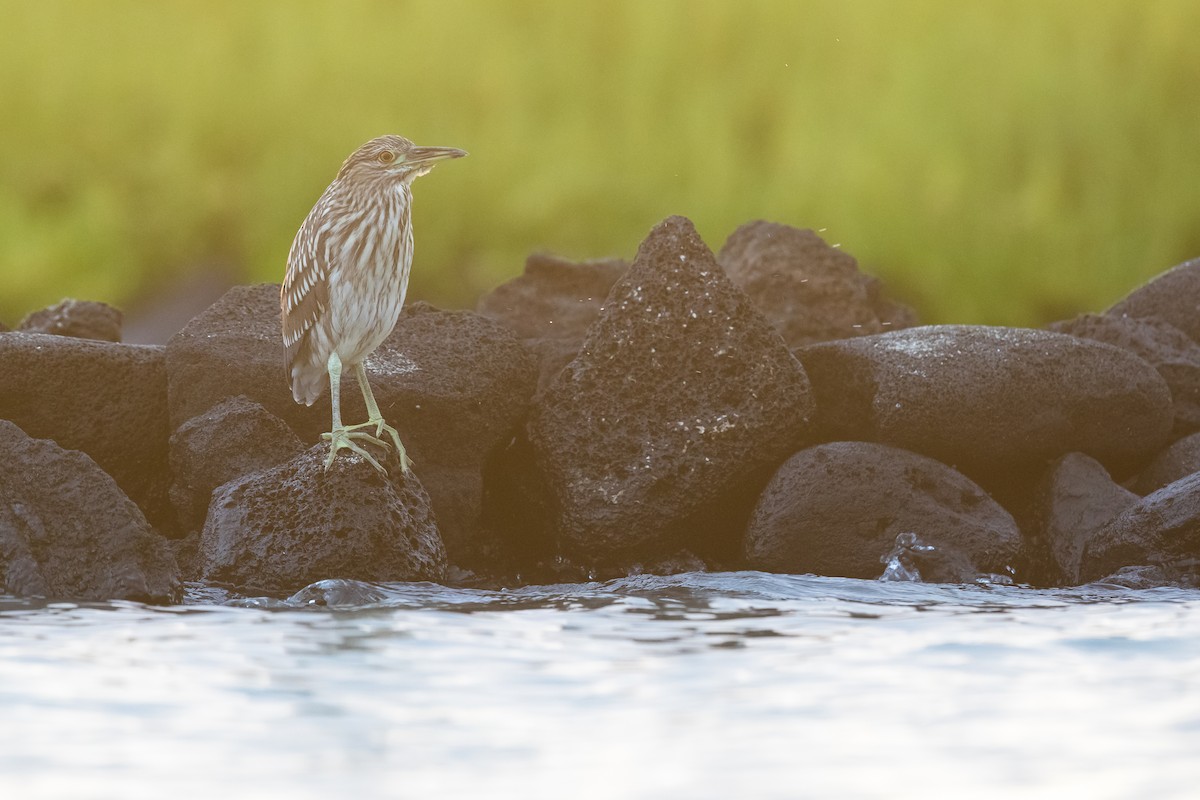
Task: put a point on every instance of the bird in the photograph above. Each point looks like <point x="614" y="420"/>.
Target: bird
<point x="347" y="274"/>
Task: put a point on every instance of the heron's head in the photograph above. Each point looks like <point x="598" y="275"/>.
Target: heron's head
<point x="394" y="159"/>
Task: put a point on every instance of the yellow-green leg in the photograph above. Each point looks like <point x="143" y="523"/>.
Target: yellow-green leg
<point x="342" y="436"/>
<point x="376" y="419"/>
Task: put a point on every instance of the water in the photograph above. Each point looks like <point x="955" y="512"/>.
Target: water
<point x="694" y="686"/>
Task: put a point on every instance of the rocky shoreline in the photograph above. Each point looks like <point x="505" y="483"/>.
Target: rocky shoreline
<point x="766" y="408"/>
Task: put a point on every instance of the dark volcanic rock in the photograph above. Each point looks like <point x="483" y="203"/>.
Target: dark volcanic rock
<point x="108" y="400"/>
<point x="552" y="305"/>
<point x="1162" y="528"/>
<point x="987" y="399"/>
<point x="68" y="532"/>
<point x="1178" y="461"/>
<point x="1168" y="349"/>
<point x="810" y="291"/>
<point x="287" y="527"/>
<point x="1173" y="297"/>
<point x="1076" y="499"/>
<point x="84" y="319"/>
<point x="660" y="433"/>
<point x="453" y="383"/>
<point x="231" y="439"/>
<point x="838" y="508"/>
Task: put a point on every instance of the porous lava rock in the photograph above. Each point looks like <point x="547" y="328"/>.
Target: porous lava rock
<point x="68" y="532"/>
<point x="1171" y="351"/>
<point x="660" y="433"/>
<point x="1179" y="460"/>
<point x="1161" y="529"/>
<point x="107" y="399"/>
<point x="838" y="509"/>
<point x="453" y="383"/>
<point x="1171" y="297"/>
<point x="988" y="400"/>
<point x="286" y="527"/>
<point x="551" y="305"/>
<point x="1075" y="500"/>
<point x="233" y="438"/>
<point x="810" y="291"/>
<point x="83" y="319"/>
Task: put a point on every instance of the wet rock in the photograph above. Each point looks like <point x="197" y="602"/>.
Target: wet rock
<point x="810" y="292"/>
<point x="551" y="305"/>
<point x="660" y="433"/>
<point x="68" y="532"/>
<point x="989" y="400"/>
<point x="295" y="524"/>
<point x="1168" y="349"/>
<point x="453" y="383"/>
<point x="1162" y="528"/>
<point x="108" y="400"/>
<point x="1179" y="460"/>
<point x="838" y="509"/>
<point x="84" y="319"/>
<point x="1171" y="297"/>
<point x="1075" y="500"/>
<point x="233" y="438"/>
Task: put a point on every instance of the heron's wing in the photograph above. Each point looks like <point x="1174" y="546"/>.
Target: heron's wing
<point x="304" y="296"/>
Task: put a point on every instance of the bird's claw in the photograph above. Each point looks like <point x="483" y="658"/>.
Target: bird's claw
<point x="381" y="426"/>
<point x="345" y="438"/>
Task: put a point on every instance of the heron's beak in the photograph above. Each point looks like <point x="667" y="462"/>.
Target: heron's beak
<point x="427" y="155"/>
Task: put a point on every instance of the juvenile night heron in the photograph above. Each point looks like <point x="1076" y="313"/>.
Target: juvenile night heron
<point x="346" y="278"/>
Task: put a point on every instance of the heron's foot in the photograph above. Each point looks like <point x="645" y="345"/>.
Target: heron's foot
<point x="380" y="428"/>
<point x="346" y="438"/>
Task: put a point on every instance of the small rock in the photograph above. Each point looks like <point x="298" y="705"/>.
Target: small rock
<point x="551" y="306"/>
<point x="231" y="439"/>
<point x="108" y="400"/>
<point x="1171" y="296"/>
<point x="659" y="434"/>
<point x="838" y="509"/>
<point x="83" y="319"/>
<point x="810" y="292"/>
<point x="1178" y="461"/>
<point x="989" y="400"/>
<point x="1075" y="500"/>
<point x="453" y="383"/>
<point x="1168" y="349"/>
<point x="67" y="532"/>
<point x="284" y="528"/>
<point x="1160" y="529"/>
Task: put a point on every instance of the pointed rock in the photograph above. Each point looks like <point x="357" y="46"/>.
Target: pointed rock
<point x="660" y="433"/>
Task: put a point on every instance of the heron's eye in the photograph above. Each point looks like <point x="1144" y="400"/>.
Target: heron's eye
<point x="387" y="157"/>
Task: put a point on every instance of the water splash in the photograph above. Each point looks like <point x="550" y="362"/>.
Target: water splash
<point x="900" y="564"/>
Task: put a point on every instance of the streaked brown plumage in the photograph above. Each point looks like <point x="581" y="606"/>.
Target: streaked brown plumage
<point x="346" y="279"/>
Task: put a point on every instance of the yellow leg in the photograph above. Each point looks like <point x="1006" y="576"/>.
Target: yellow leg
<point x="340" y="436"/>
<point x="376" y="419"/>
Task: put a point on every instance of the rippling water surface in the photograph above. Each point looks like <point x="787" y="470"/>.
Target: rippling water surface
<point x="693" y="686"/>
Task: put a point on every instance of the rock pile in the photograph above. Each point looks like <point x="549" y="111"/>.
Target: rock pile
<point x="765" y="408"/>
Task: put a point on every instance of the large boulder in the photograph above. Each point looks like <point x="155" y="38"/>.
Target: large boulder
<point x="108" y="400"/>
<point x="1074" y="501"/>
<point x="660" y="433"/>
<point x="453" y="383"/>
<point x="84" y="319"/>
<point x="990" y="400"/>
<point x="1168" y="349"/>
<point x="840" y="509"/>
<point x="810" y="291"/>
<point x="284" y="528"/>
<point x="68" y="532"/>
<point x="233" y="438"/>
<point x="1173" y="296"/>
<point x="551" y="305"/>
<point x="1161" y="529"/>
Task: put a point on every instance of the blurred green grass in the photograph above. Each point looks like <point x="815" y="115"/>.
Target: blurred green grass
<point x="999" y="162"/>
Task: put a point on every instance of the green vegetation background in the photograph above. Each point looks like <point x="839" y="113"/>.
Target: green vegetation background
<point x="998" y="161"/>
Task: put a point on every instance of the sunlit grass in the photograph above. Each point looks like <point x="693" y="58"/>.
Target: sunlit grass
<point x="994" y="161"/>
